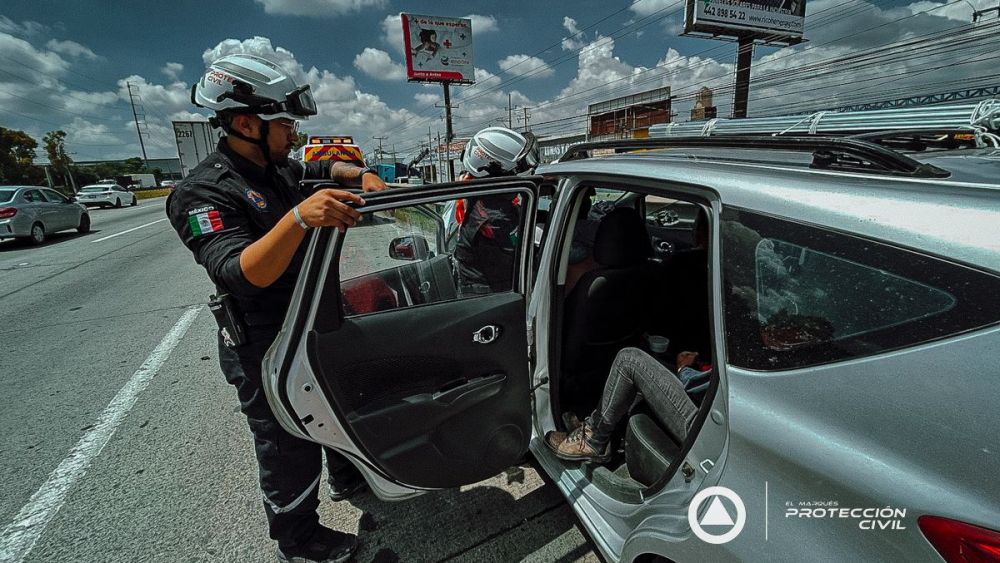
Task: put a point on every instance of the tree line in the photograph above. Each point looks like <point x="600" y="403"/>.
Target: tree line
<point x="17" y="163"/>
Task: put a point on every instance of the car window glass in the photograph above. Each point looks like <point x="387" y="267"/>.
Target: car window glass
<point x="400" y="258"/>
<point x="33" y="196"/>
<point x="6" y="195"/>
<point x="55" y="197"/>
<point x="795" y="282"/>
<point x="799" y="295"/>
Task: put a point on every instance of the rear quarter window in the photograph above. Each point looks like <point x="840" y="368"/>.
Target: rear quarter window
<point x="798" y="295"/>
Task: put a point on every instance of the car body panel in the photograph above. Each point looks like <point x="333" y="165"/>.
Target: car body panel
<point x="109" y="195"/>
<point x="54" y="216"/>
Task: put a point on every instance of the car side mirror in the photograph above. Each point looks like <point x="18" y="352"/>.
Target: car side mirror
<point x="412" y="247"/>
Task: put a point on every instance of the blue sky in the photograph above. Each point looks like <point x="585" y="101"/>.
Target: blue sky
<point x="65" y="63"/>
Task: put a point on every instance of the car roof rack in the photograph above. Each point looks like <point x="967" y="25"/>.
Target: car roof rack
<point x="982" y="120"/>
<point x="829" y="153"/>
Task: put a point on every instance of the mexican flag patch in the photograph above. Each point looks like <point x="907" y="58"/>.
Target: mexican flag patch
<point x="204" y="221"/>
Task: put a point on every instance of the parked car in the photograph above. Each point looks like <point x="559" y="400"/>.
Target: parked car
<point x="845" y="302"/>
<point x="105" y="195"/>
<point x="32" y="212"/>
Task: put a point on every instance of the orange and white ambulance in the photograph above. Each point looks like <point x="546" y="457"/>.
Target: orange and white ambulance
<point x="322" y="147"/>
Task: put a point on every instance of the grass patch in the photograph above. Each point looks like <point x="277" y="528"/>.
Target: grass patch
<point x="149" y="194"/>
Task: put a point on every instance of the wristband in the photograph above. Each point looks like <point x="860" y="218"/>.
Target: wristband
<point x="298" y="218"/>
<point x="366" y="170"/>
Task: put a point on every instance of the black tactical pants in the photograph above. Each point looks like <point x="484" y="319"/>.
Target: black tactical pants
<point x="290" y="468"/>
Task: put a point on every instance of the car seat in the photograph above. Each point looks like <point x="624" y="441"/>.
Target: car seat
<point x="605" y="309"/>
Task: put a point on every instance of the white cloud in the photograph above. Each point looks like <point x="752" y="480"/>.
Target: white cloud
<point x="482" y="24"/>
<point x="172" y="70"/>
<point x="23" y="29"/>
<point x="426" y="99"/>
<point x="71" y="49"/>
<point x="392" y="33"/>
<point x="378" y="64"/>
<point x="575" y="40"/>
<point x="318" y="8"/>
<point x="524" y="65"/>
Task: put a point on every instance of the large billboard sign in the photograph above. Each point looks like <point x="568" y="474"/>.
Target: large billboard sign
<point x="773" y="20"/>
<point x="438" y="49"/>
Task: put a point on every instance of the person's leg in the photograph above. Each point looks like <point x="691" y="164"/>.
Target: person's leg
<point x="633" y="373"/>
<point x="289" y="468"/>
<point x="343" y="477"/>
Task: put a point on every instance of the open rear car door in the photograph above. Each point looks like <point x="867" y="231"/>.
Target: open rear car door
<point x="407" y="351"/>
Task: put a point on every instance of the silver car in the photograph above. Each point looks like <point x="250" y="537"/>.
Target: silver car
<point x="31" y="213"/>
<point x="105" y="195"/>
<point x="844" y="299"/>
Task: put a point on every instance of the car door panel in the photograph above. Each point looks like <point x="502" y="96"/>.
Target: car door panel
<point x="439" y="382"/>
<point x="408" y="388"/>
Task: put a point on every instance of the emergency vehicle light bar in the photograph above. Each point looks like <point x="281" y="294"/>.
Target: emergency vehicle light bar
<point x="331" y="140"/>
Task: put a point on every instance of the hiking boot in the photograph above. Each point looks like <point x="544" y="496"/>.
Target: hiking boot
<point x="325" y="546"/>
<point x="571" y="421"/>
<point x="344" y="491"/>
<point x="576" y="447"/>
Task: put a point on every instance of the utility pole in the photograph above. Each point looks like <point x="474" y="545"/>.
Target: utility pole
<point x="510" y="113"/>
<point x="379" y="157"/>
<point x="430" y="147"/>
<point x="135" y="116"/>
<point x="449" y="134"/>
<point x="526" y="116"/>
<point x="744" y="57"/>
<point x="437" y="151"/>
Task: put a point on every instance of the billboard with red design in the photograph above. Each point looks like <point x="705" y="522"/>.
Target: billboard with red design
<point x="438" y="49"/>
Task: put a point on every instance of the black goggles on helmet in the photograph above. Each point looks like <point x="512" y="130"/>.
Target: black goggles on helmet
<point x="298" y="102"/>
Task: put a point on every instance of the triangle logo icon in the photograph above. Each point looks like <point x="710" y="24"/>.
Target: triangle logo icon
<point x="716" y="515"/>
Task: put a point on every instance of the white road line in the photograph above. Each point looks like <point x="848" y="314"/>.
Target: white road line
<point x="18" y="539"/>
<point x="129" y="230"/>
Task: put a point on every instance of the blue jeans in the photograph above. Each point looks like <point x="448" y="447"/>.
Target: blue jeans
<point x="636" y="374"/>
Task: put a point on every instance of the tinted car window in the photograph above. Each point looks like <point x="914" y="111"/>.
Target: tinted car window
<point x="6" y="195"/>
<point x="399" y="258"/>
<point x="54" y="196"/>
<point x="33" y="195"/>
<point x="799" y="295"/>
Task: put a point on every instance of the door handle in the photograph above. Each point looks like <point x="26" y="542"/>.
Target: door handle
<point x="486" y="335"/>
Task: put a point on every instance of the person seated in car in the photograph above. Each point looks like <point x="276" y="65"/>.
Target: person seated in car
<point x="634" y="373"/>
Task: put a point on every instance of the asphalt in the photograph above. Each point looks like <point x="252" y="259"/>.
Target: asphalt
<point x="79" y="316"/>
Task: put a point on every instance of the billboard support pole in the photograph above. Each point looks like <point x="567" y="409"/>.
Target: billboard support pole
<point x="448" y="130"/>
<point x="744" y="58"/>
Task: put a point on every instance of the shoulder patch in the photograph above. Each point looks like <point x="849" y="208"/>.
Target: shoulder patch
<point x="258" y="200"/>
<point x="204" y="220"/>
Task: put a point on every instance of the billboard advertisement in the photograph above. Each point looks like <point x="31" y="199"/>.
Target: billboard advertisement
<point x="438" y="49"/>
<point x="762" y="18"/>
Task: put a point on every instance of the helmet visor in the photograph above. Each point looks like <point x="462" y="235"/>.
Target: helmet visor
<point x="300" y="102"/>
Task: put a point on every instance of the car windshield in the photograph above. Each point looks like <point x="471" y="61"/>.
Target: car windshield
<point x="95" y="188"/>
<point x="6" y="195"/>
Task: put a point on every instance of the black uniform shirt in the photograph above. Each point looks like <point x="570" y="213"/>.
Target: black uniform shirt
<point x="225" y="204"/>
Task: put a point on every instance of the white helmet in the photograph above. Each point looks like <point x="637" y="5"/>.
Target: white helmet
<point x="251" y="84"/>
<point x="499" y="151"/>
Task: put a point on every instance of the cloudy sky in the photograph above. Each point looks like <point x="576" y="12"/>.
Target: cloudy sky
<point x="66" y="64"/>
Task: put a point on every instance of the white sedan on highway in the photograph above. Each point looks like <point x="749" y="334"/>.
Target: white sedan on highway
<point x="105" y="195"/>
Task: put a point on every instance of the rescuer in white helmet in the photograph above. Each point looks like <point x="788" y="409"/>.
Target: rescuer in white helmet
<point x="489" y="224"/>
<point x="243" y="215"/>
